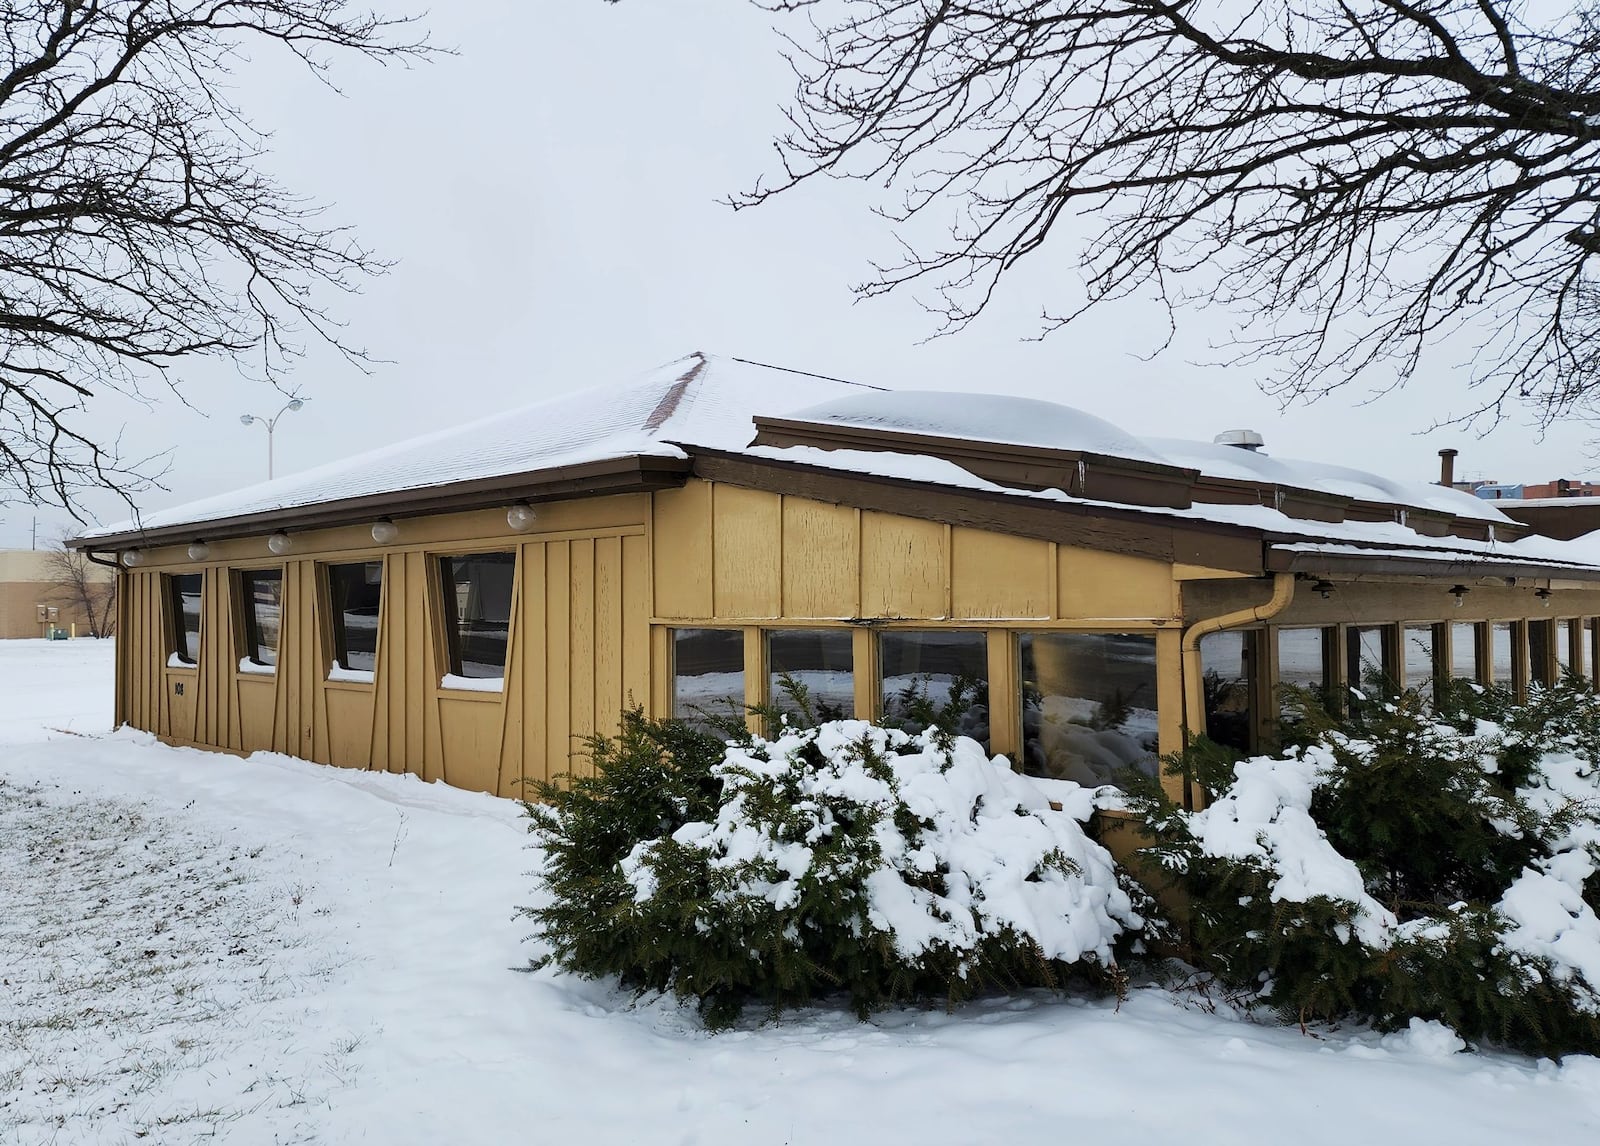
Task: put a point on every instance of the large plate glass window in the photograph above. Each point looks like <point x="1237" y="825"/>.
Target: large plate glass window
<point x="1089" y="706"/>
<point x="183" y="616"/>
<point x="1227" y="678"/>
<point x="1571" y="637"/>
<point x="355" y="592"/>
<point x="1302" y="671"/>
<point x="925" y="672"/>
<point x="477" y="610"/>
<point x="708" y="676"/>
<point x="822" y="662"/>
<point x="1502" y="655"/>
<point x="1464" y="652"/>
<point x="1541" y="651"/>
<point x="261" y="600"/>
<point x="1418" y="656"/>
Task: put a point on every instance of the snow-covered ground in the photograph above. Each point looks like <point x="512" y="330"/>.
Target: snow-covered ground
<point x="199" y="948"/>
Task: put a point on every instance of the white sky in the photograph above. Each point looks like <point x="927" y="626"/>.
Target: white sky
<point x="550" y="194"/>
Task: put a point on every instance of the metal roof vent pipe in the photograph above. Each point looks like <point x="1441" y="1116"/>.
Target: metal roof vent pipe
<point x="1242" y="439"/>
<point x="1447" y="468"/>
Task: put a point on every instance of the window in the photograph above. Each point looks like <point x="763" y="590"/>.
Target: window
<point x="1088" y="705"/>
<point x="1464" y="652"/>
<point x="1226" y="677"/>
<point x="183" y="617"/>
<point x="1369" y="667"/>
<point x="1302" y="669"/>
<point x="1501" y="649"/>
<point x="931" y="669"/>
<point x="707" y="675"/>
<point x="354" y="594"/>
<point x="477" y="610"/>
<point x="823" y="661"/>
<point x="1570" y="657"/>
<point x="1418" y="656"/>
<point x="261" y="599"/>
<point x="1542" y="651"/>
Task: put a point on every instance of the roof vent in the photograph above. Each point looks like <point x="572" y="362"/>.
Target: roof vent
<point x="1243" y="439"/>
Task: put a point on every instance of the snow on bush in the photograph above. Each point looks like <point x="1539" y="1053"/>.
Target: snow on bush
<point x="1410" y="864"/>
<point x="847" y="856"/>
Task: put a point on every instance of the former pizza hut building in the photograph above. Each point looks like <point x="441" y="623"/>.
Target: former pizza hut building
<point x="471" y="605"/>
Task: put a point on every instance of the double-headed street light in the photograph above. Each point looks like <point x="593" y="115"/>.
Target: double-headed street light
<point x="271" y="424"/>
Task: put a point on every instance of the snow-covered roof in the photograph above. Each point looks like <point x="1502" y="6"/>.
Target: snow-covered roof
<point x="700" y="400"/>
<point x="1001" y="418"/>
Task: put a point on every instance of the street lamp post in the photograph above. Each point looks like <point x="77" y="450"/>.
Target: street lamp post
<point x="271" y="424"/>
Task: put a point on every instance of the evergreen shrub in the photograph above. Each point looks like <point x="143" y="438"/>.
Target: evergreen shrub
<point x="844" y="858"/>
<point x="1413" y="860"/>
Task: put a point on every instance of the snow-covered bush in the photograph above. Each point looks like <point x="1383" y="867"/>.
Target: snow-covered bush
<point x="847" y="857"/>
<point x="1416" y="864"/>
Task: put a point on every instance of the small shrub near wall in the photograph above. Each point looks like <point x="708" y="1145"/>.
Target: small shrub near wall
<point x="1413" y="863"/>
<point x="846" y="858"/>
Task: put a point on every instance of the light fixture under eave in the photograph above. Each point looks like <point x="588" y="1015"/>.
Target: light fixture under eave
<point x="1543" y="595"/>
<point x="1459" y="592"/>
<point x="280" y="543"/>
<point x="199" y="550"/>
<point x="384" y="531"/>
<point x="1323" y="589"/>
<point x="131" y="558"/>
<point x="521" y="517"/>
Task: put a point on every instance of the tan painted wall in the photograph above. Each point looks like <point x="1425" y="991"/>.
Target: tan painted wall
<point x="576" y="656"/>
<point x="27" y="581"/>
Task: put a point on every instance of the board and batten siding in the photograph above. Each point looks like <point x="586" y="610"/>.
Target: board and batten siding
<point x="578" y="650"/>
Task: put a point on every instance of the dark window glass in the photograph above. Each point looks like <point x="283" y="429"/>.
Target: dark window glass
<point x="1226" y="677"/>
<point x="707" y="675"/>
<point x="183" y="612"/>
<point x="928" y="670"/>
<point x="355" y="592"/>
<point x="823" y="661"/>
<point x="1088" y="705"/>
<point x="1571" y="637"/>
<point x="1500" y="646"/>
<point x="1302" y="668"/>
<point x="261" y="591"/>
<point x="1541" y="650"/>
<point x="1464" y="651"/>
<point x="1419" y="656"/>
<point x="477" y="609"/>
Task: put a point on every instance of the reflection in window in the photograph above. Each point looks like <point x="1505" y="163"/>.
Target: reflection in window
<point x="821" y="660"/>
<point x="1302" y="667"/>
<point x="262" y="594"/>
<point x="1088" y="705"/>
<point x="1418" y="656"/>
<point x="477" y="605"/>
<point x="1225" y="677"/>
<point x="707" y="675"/>
<point x="1571" y="655"/>
<point x="1500" y="650"/>
<point x="1464" y="651"/>
<point x="931" y="669"/>
<point x="183" y="613"/>
<point x="355" y="592"/>
<point x="1591" y="649"/>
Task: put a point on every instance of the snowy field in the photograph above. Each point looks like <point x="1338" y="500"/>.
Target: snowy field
<point x="195" y="948"/>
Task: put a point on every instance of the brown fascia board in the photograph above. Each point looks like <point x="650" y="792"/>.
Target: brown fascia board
<point x="1107" y="477"/>
<point x="1448" y="566"/>
<point x="633" y="474"/>
<point x="1109" y="528"/>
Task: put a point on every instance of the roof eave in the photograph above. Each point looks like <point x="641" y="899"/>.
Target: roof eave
<point x="1446" y="565"/>
<point x="633" y="473"/>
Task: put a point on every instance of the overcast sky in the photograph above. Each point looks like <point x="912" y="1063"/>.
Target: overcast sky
<point x="550" y="197"/>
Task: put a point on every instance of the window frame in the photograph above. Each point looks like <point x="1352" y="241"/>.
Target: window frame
<point x="247" y="629"/>
<point x="338" y="651"/>
<point x="177" y="631"/>
<point x="449" y="629"/>
<point x="747" y="672"/>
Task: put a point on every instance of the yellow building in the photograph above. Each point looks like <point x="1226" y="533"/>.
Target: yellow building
<point x="38" y="595"/>
<point x="472" y="605"/>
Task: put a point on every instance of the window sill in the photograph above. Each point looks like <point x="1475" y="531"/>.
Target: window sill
<point x="453" y="687"/>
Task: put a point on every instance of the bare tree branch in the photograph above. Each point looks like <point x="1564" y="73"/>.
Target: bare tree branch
<point x="136" y="230"/>
<point x="1358" y="185"/>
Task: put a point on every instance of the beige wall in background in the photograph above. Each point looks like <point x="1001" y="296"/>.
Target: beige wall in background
<point x="27" y="582"/>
